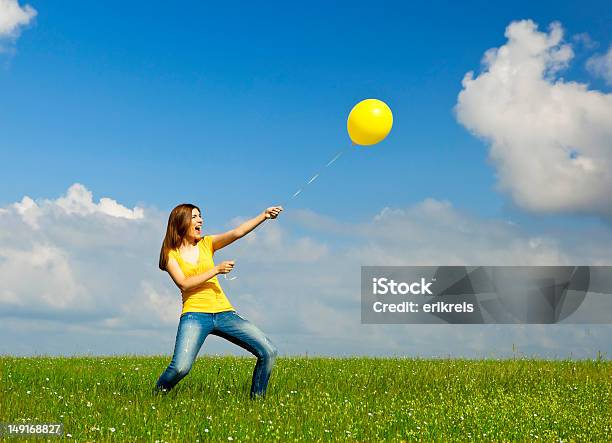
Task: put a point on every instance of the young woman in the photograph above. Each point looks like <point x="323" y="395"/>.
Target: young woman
<point x="188" y="258"/>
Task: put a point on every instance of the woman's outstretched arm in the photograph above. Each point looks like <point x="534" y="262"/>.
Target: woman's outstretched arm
<point x="221" y="240"/>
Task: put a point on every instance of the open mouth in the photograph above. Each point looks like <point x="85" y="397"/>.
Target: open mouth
<point x="198" y="229"/>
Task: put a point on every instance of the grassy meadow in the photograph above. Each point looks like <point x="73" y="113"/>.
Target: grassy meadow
<point x="325" y="399"/>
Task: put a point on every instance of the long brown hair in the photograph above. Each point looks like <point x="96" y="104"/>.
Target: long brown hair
<point x="179" y="222"/>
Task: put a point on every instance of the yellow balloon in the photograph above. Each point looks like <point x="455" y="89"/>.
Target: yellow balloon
<point x="369" y="122"/>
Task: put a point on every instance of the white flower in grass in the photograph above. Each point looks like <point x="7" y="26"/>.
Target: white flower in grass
<point x="230" y="438"/>
<point x="112" y="429"/>
<point x="206" y="430"/>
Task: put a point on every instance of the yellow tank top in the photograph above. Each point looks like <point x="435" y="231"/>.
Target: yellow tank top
<point x="208" y="297"/>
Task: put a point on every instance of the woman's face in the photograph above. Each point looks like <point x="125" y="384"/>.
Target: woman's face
<point x="195" y="229"/>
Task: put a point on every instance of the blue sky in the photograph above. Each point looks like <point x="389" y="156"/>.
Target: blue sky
<point x="235" y="105"/>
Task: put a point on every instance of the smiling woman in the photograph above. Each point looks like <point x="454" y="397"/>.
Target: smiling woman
<point x="188" y="257"/>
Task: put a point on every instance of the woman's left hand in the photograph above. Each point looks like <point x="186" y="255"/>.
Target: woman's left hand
<point x="273" y="211"/>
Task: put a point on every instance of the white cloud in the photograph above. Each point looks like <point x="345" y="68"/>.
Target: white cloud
<point x="271" y="239"/>
<point x="14" y="17"/>
<point x="549" y="139"/>
<point x="69" y="257"/>
<point x="40" y="278"/>
<point x="87" y="281"/>
<point x="152" y="305"/>
<point x="79" y="200"/>
<point x="29" y="211"/>
<point x="316" y="306"/>
<point x="583" y="39"/>
<point x="601" y="65"/>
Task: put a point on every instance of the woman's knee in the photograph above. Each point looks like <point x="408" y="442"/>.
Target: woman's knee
<point x="269" y="352"/>
<point x="274" y="352"/>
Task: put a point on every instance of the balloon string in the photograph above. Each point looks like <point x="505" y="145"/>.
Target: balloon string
<point x="295" y="194"/>
<point x="314" y="177"/>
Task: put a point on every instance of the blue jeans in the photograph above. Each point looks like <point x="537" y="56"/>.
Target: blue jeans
<point x="193" y="329"/>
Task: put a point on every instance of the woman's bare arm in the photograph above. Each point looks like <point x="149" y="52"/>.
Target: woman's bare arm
<point x="221" y="240"/>
<point x="187" y="283"/>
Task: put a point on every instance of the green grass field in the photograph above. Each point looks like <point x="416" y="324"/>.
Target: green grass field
<point x="365" y="399"/>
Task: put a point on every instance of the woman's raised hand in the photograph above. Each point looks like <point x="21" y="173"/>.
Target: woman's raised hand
<point x="225" y="267"/>
<point x="273" y="211"/>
